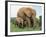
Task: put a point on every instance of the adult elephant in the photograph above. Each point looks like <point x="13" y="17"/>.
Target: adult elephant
<point x="28" y="14"/>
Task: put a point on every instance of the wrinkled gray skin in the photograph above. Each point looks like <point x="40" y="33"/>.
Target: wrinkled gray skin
<point x="28" y="14"/>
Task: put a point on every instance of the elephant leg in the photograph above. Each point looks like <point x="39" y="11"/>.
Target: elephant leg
<point x="26" y="23"/>
<point x="28" y="20"/>
<point x="22" y="24"/>
<point x="34" y="21"/>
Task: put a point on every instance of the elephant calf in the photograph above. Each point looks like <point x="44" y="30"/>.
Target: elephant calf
<point x="19" y="21"/>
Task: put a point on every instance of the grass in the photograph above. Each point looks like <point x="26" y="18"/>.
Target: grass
<point x="17" y="29"/>
<point x="14" y="28"/>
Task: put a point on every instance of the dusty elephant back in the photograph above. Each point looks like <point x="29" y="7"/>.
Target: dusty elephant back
<point x="26" y="11"/>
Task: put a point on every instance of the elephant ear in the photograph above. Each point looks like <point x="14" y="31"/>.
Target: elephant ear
<point x="33" y="13"/>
